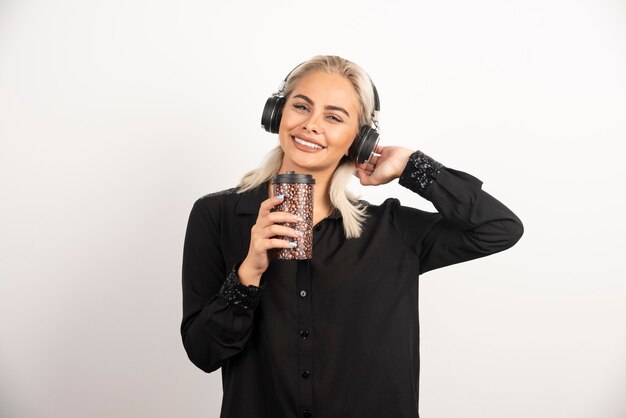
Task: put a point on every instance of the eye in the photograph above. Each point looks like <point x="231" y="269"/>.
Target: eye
<point x="300" y="106"/>
<point x="335" y="118"/>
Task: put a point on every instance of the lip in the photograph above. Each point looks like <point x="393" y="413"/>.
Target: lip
<point x="307" y="139"/>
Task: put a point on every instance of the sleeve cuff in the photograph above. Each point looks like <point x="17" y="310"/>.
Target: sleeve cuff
<point x="240" y="296"/>
<point x="420" y="172"/>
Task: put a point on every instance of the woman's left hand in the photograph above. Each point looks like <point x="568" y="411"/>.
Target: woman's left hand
<point x="386" y="165"/>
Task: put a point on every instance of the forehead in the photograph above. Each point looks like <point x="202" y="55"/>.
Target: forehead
<point x="327" y="89"/>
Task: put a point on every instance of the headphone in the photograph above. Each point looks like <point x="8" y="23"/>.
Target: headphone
<point x="364" y="143"/>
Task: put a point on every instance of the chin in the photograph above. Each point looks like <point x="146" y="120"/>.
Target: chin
<point x="309" y="164"/>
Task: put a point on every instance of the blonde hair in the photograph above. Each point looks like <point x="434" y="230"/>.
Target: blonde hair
<point x="353" y="210"/>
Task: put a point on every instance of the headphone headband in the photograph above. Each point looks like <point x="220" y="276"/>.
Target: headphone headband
<point x="281" y="88"/>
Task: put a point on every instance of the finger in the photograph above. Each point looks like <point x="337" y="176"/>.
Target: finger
<point x="269" y="203"/>
<point x="285" y="217"/>
<point x="374" y="158"/>
<point x="279" y="243"/>
<point x="270" y="218"/>
<point x="364" y="177"/>
<point x="368" y="168"/>
<point x="282" y="231"/>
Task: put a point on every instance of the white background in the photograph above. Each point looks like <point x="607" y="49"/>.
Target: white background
<point x="116" y="116"/>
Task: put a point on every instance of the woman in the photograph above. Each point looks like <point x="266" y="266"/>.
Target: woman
<point x="338" y="335"/>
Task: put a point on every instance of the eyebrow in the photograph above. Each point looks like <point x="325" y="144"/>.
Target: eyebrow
<point x="329" y="107"/>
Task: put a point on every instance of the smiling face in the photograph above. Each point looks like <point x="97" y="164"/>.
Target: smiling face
<point x="319" y="122"/>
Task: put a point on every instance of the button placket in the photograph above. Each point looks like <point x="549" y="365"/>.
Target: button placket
<point x="305" y="323"/>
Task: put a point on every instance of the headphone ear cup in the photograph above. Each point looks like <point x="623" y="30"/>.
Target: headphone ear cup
<point x="272" y="113"/>
<point x="364" y="144"/>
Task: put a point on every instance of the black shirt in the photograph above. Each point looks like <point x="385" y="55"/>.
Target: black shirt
<point x="336" y="336"/>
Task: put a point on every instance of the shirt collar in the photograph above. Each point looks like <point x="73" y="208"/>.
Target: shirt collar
<point x="250" y="200"/>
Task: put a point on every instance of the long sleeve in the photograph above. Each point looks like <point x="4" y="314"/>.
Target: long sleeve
<point x="218" y="310"/>
<point x="470" y="223"/>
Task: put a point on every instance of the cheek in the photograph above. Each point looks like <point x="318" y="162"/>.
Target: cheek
<point x="351" y="135"/>
<point x="283" y="136"/>
<point x="343" y="140"/>
<point x="290" y="118"/>
<point x="287" y="122"/>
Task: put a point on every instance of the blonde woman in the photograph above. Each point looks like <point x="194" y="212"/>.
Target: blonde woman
<point x="337" y="335"/>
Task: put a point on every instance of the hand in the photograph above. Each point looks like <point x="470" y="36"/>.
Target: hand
<point x="386" y="164"/>
<point x="261" y="241"/>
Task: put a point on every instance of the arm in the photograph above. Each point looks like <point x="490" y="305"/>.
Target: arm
<point x="470" y="223"/>
<point x="218" y="311"/>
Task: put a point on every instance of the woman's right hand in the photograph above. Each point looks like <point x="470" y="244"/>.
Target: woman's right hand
<point x="261" y="241"/>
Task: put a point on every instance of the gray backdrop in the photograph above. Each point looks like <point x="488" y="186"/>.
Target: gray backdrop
<point x="116" y="116"/>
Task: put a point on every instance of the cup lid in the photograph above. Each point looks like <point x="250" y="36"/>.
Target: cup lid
<point x="293" y="177"/>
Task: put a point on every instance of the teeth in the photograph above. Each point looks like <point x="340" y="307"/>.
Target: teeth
<point x="308" y="144"/>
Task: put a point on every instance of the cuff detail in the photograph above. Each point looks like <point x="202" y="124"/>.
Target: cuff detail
<point x="237" y="294"/>
<point x="419" y="173"/>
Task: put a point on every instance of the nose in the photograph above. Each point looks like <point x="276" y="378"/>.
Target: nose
<point x="312" y="124"/>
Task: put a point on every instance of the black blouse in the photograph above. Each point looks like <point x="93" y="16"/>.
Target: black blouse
<point x="336" y="336"/>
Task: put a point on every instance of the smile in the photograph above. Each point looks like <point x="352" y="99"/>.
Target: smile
<point x="307" y="143"/>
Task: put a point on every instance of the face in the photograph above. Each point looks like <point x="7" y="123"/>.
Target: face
<point x="319" y="123"/>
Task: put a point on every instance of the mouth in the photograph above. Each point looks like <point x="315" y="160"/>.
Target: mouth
<point x="307" y="144"/>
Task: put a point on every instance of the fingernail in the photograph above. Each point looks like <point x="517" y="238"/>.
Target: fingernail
<point x="280" y="197"/>
<point x="293" y="244"/>
<point x="299" y="233"/>
<point x="297" y="218"/>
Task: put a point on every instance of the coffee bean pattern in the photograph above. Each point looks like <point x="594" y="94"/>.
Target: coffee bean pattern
<point x="299" y="201"/>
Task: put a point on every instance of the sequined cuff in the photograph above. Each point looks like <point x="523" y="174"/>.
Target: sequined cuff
<point x="419" y="173"/>
<point x="240" y="296"/>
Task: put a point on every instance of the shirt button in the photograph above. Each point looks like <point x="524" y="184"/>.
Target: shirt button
<point x="318" y="227"/>
<point x="304" y="333"/>
<point x="306" y="413"/>
<point x="306" y="373"/>
<point x="303" y="293"/>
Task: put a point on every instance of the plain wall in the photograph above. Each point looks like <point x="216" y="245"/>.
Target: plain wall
<point x="116" y="116"/>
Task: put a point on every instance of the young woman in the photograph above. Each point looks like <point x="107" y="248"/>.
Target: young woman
<point x="338" y="335"/>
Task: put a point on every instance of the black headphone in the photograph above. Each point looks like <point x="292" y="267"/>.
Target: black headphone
<point x="363" y="145"/>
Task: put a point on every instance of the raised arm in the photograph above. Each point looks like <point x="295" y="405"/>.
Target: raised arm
<point x="470" y="223"/>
